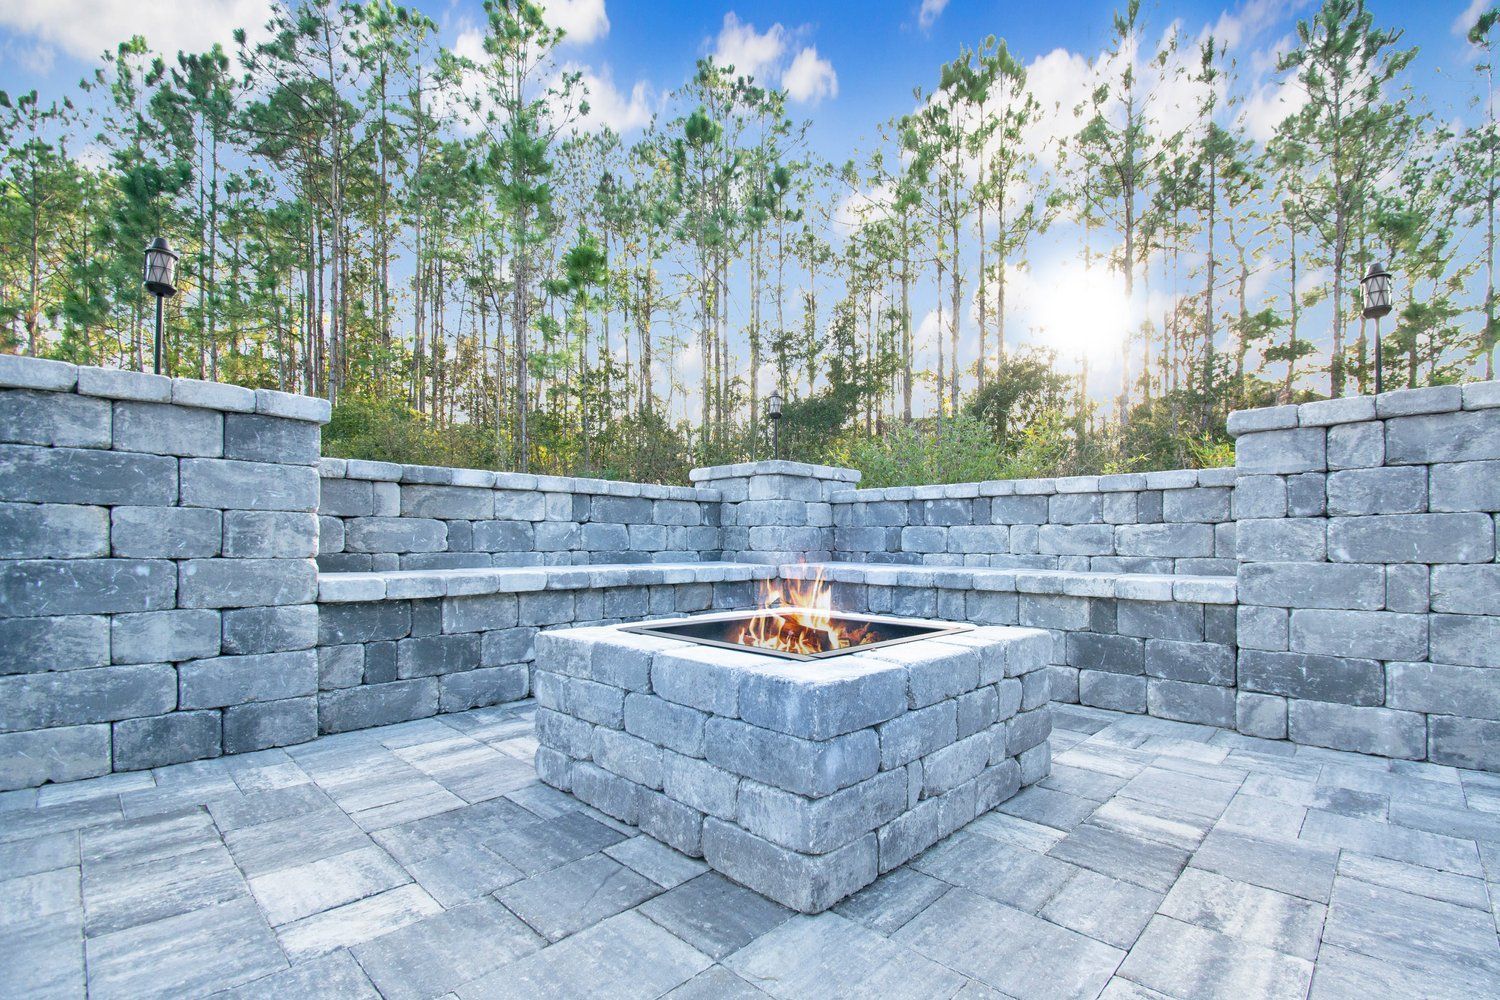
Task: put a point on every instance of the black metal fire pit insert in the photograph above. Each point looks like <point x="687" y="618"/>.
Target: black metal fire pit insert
<point x="722" y="630"/>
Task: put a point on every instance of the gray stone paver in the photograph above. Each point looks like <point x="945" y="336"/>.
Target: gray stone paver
<point x="1161" y="860"/>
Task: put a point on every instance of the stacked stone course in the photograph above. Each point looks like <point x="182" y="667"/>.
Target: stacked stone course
<point x="1368" y="584"/>
<point x="157" y="583"/>
<point x="1180" y="521"/>
<point x="380" y="516"/>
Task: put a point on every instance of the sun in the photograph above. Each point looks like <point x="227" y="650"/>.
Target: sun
<point x="1081" y="312"/>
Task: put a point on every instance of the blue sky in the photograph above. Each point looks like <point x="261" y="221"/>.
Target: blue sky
<point x="848" y="65"/>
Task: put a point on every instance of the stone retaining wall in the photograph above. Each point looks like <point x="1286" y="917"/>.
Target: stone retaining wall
<point x="1181" y="521"/>
<point x="157" y="582"/>
<point x="1369" y="592"/>
<point x="380" y="516"/>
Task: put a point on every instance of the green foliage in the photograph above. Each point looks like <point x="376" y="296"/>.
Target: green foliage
<point x="390" y="431"/>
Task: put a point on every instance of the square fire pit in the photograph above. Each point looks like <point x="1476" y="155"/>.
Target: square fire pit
<point x="802" y="773"/>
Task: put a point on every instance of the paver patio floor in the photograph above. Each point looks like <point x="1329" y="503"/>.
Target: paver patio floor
<point x="424" y="859"/>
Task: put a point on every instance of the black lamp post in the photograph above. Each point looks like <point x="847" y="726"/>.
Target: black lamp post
<point x="1375" y="287"/>
<point x="161" y="269"/>
<point x="773" y="410"/>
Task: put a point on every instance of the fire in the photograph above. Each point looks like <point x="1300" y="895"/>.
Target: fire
<point x="800" y="619"/>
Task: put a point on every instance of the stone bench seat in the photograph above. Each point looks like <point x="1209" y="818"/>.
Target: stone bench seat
<point x="1073" y="583"/>
<point x="407" y="585"/>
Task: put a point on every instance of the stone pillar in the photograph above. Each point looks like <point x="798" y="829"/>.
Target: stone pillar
<point x="1369" y="593"/>
<point x="776" y="512"/>
<point x="157" y="586"/>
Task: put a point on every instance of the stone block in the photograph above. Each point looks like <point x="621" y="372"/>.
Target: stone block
<point x="1200" y="505"/>
<point x="430" y="655"/>
<point x="1307" y="495"/>
<point x="65" y="753"/>
<point x="1339" y="410"/>
<point x="1443" y="689"/>
<point x="844" y="695"/>
<point x="1022" y="732"/>
<point x="1160" y="620"/>
<point x="1356" y="446"/>
<point x="701" y="785"/>
<point x="270" y="534"/>
<point x="504" y="647"/>
<point x="213" y="395"/>
<point x="1187" y="702"/>
<point x="1377" y="635"/>
<point x="1382" y="731"/>
<point x="1281" y="539"/>
<point x="1467" y="436"/>
<point x="659" y="721"/>
<point x="377" y="705"/>
<point x="1470" y="743"/>
<point x="1466" y="590"/>
<point x="599" y="704"/>
<point x="155" y="636"/>
<point x="363" y="622"/>
<point x="1198" y="662"/>
<point x="1053" y="611"/>
<point x="1407" y="588"/>
<point x="1412" y="538"/>
<point x="115" y="383"/>
<point x="166" y="739"/>
<point x="1313" y="585"/>
<point x="55" y="420"/>
<point x="1018" y="510"/>
<point x="166" y="532"/>
<point x="232" y="485"/>
<point x="1260" y="497"/>
<point x="1117" y="654"/>
<point x="546" y="608"/>
<point x="817" y="826"/>
<point x="161" y="429"/>
<point x="76" y="697"/>
<point x="33" y="645"/>
<point x="808" y="883"/>
<point x="340" y="666"/>
<point x="258" y="438"/>
<point x="271" y="629"/>
<point x="35" y="588"/>
<point x="1462" y="486"/>
<point x="952" y="765"/>
<point x="976" y="711"/>
<point x="916" y="734"/>
<point x="1471" y="640"/>
<point x="1075" y="508"/>
<point x="1265" y="418"/>
<point x="1395" y="490"/>
<point x="609" y="793"/>
<point x="630" y="757"/>
<point x="86" y="476"/>
<point x="480" y="613"/>
<point x="1117" y="692"/>
<point x="1079" y="539"/>
<point x="53" y="531"/>
<point x="802" y="766"/>
<point x="234" y="680"/>
<point x="481" y="687"/>
<point x="1282" y="452"/>
<point x="395" y="534"/>
<point x="1263" y="627"/>
<point x="978" y="538"/>
<point x="671" y="822"/>
<point x="292" y="406"/>
<point x="621" y="510"/>
<point x="1172" y="540"/>
<point x="246" y="583"/>
<point x="1343" y="679"/>
<point x="263" y="725"/>
<point x="1429" y="399"/>
<point x="1036" y="689"/>
<point x="347" y="498"/>
<point x="1262" y="715"/>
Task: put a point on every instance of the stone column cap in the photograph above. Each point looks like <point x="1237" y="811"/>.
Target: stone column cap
<point x="776" y="467"/>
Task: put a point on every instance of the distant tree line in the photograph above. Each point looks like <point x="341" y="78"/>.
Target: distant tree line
<point x="438" y="243"/>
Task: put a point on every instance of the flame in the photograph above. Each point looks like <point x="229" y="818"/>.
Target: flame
<point x="799" y="619"/>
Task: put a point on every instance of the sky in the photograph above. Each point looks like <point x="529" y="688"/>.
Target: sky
<point x="847" y="65"/>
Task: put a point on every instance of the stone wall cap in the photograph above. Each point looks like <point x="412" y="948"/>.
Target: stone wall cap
<point x="1329" y="412"/>
<point x="1197" y="589"/>
<point x="293" y="406"/>
<point x="405" y="585"/>
<point x="20" y="372"/>
<point x="1266" y="418"/>
<point x="1410" y="402"/>
<point x="1481" y="395"/>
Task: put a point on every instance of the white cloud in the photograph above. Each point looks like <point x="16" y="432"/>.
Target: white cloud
<point x="930" y="12"/>
<point x="1270" y="104"/>
<point x="860" y="208"/>
<point x="609" y="106"/>
<point x="810" y="78"/>
<point x="750" y="52"/>
<point x="582" y="21"/>
<point x="86" y="28"/>
<point x="1463" y="22"/>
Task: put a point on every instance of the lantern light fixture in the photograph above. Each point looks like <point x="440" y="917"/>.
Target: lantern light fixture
<point x="1375" y="289"/>
<point x="160" y="275"/>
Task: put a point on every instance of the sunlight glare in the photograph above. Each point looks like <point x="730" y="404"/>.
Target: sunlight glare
<point x="1081" y="312"/>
